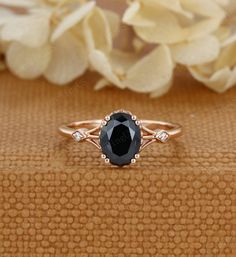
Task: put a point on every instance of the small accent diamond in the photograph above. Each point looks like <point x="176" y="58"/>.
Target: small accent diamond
<point x="77" y="136"/>
<point x="107" y="160"/>
<point x="162" y="136"/>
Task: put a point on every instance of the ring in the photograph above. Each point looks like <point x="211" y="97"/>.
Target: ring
<point x="120" y="136"/>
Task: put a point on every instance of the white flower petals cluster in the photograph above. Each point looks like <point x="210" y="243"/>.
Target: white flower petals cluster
<point x="61" y="39"/>
<point x="197" y="33"/>
<point x="54" y="38"/>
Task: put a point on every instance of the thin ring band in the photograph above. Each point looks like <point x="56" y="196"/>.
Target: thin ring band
<point x="147" y="132"/>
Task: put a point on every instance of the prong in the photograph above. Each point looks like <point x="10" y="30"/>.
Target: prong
<point x="107" y="118"/>
<point x="133" y="161"/>
<point x="104" y="123"/>
<point x="107" y="160"/>
<point x="103" y="156"/>
<point x="134" y="117"/>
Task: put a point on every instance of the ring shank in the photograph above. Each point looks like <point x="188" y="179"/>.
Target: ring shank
<point x="174" y="130"/>
<point x="68" y="130"/>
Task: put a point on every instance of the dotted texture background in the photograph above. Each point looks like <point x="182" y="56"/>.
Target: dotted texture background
<point x="58" y="198"/>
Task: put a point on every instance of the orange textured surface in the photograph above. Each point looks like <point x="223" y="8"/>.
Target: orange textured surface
<point x="58" y="198"/>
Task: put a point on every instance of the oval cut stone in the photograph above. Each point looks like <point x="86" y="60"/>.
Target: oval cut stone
<point x="120" y="139"/>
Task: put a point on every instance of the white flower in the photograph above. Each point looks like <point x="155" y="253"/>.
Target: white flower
<point x="219" y="75"/>
<point x="150" y="74"/>
<point x="54" y="38"/>
<point x="196" y="33"/>
<point x="196" y="52"/>
<point x="187" y="26"/>
<point x="61" y="39"/>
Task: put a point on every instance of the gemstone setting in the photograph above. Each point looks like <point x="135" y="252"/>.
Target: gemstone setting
<point x="78" y="136"/>
<point x="120" y="139"/>
<point x="162" y="136"/>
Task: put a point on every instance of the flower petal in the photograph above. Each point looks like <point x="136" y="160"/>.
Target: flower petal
<point x="132" y="16"/>
<point x="72" y="19"/>
<point x="153" y="72"/>
<point x="167" y="29"/>
<point x="69" y="60"/>
<point x="97" y="31"/>
<point x="138" y="44"/>
<point x="205" y="69"/>
<point x="113" y="21"/>
<point x="203" y="28"/>
<point x="162" y="90"/>
<point x="5" y="15"/>
<point x="172" y="5"/>
<point x="232" y="80"/>
<point x="230" y="40"/>
<point x="31" y="30"/>
<point x="227" y="57"/>
<point x="103" y="82"/>
<point x="218" y="82"/>
<point x="223" y="2"/>
<point x="17" y="3"/>
<point x="28" y="63"/>
<point x="222" y="33"/>
<point x="122" y="61"/>
<point x="101" y="63"/>
<point x="197" y="52"/>
<point x="207" y="8"/>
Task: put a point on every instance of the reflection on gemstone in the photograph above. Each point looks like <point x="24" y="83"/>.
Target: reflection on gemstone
<point x="120" y="139"/>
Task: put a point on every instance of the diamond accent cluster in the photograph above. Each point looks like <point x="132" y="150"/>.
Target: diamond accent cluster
<point x="162" y="136"/>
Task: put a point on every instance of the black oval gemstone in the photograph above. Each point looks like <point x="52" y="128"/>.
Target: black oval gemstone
<point x="120" y="139"/>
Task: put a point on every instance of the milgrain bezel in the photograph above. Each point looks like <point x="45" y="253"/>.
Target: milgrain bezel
<point x="152" y="131"/>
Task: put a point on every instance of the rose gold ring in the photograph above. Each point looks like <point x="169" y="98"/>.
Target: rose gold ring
<point x="120" y="136"/>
